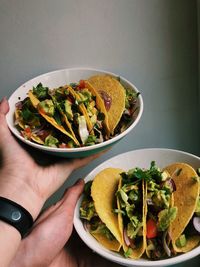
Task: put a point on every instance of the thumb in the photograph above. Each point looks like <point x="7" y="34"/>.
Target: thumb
<point x="4" y="131"/>
<point x="71" y="197"/>
<point x="4" y="107"/>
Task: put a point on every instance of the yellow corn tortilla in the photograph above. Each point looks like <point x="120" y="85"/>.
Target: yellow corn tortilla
<point x="35" y="102"/>
<point x="138" y="252"/>
<point x="70" y="128"/>
<point x="82" y="109"/>
<point x="115" y="91"/>
<point x="191" y="243"/>
<point x="68" y="124"/>
<point x="113" y="245"/>
<point x="103" y="191"/>
<point x="99" y="103"/>
<point x="185" y="199"/>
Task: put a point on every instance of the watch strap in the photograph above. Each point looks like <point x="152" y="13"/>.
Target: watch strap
<point x="15" y="215"/>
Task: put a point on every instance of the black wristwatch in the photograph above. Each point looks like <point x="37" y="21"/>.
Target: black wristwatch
<point x="15" y="215"/>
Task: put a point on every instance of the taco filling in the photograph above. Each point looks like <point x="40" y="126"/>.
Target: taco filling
<point x="131" y="211"/>
<point x="161" y="212"/>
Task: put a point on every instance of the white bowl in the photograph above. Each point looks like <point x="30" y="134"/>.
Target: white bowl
<point x="58" y="78"/>
<point x="140" y="158"/>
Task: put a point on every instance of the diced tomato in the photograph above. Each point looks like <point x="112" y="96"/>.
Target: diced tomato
<point x="81" y="84"/>
<point x="63" y="145"/>
<point x="152" y="230"/>
<point x="28" y="132"/>
<point x="41" y="110"/>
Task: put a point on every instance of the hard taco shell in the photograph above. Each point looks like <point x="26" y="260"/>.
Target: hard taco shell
<point x="99" y="103"/>
<point x="82" y="109"/>
<point x="108" y="86"/>
<point x="185" y="199"/>
<point x="103" y="191"/>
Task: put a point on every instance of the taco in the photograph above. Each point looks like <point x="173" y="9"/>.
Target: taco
<point x="184" y="230"/>
<point x="26" y="120"/>
<point x="46" y="109"/>
<point x="120" y="103"/>
<point x="161" y="211"/>
<point x="97" y="208"/>
<point x="89" y="103"/>
<point x="132" y="214"/>
<point x="92" y="102"/>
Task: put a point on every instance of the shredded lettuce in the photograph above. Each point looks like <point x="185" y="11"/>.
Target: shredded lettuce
<point x="51" y="141"/>
<point x="102" y="229"/>
<point x="87" y="210"/>
<point x="133" y="227"/>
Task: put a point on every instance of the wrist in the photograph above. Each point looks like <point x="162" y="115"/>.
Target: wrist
<point x="23" y="195"/>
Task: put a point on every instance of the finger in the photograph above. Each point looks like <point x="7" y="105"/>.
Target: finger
<point x="4" y="107"/>
<point x="70" y="198"/>
<point x="4" y="131"/>
<point x="5" y="134"/>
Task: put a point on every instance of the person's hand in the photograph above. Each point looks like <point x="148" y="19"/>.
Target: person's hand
<point x="44" y="247"/>
<point x="21" y="178"/>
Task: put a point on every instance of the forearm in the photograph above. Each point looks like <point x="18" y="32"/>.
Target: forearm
<point x="10" y="237"/>
<point x="10" y="240"/>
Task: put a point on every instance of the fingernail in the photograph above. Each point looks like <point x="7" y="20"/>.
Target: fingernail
<point x="79" y="181"/>
<point x="3" y="99"/>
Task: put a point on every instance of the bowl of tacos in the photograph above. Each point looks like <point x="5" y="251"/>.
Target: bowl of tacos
<point x="142" y="208"/>
<point x="74" y="112"/>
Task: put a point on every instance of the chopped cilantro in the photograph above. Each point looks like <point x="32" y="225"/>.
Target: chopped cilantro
<point x="40" y="91"/>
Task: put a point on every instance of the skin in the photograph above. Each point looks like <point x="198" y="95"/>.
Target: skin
<point x="30" y="187"/>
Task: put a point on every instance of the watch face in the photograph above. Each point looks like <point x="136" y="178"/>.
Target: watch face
<point x="16" y="215"/>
